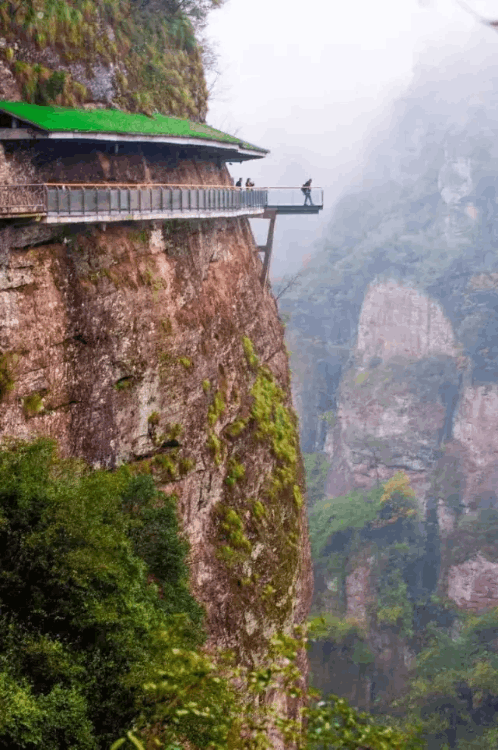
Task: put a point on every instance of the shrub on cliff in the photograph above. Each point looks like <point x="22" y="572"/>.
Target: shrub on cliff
<point x="398" y="499"/>
<point x="334" y="519"/>
<point x="197" y="10"/>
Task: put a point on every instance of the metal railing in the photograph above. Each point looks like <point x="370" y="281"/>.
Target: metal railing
<point x="280" y="197"/>
<point x="115" y="200"/>
<point x="119" y="201"/>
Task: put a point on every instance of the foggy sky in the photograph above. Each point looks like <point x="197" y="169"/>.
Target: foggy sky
<point x="313" y="82"/>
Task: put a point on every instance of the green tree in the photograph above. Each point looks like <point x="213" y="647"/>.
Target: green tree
<point x="334" y="725"/>
<point x="91" y="572"/>
<point x="455" y="689"/>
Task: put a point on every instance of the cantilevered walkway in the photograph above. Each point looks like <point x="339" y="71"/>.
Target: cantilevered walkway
<point x="102" y="203"/>
<point x="49" y="129"/>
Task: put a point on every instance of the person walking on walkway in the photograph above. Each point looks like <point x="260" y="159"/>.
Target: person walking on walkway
<point x="306" y="189"/>
<point x="249" y="183"/>
<point x="239" y="182"/>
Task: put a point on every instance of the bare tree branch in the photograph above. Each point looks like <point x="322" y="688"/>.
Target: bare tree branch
<point x="480" y="19"/>
<point x="288" y="282"/>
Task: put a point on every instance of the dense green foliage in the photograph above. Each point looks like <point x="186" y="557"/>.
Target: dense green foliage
<point x="378" y="529"/>
<point x="91" y="570"/>
<point x="99" y="636"/>
<point x="455" y="687"/>
<point x="335" y="725"/>
<point x="340" y="516"/>
<point x="453" y="693"/>
<point x="152" y="44"/>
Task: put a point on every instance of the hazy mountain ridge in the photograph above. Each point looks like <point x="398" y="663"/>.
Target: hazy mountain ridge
<point x="395" y="363"/>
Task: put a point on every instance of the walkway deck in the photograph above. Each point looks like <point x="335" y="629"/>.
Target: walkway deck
<point x="291" y="200"/>
<point x="66" y="204"/>
<point x="91" y="203"/>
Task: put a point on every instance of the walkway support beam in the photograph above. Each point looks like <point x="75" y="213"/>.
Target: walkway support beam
<point x="268" y="247"/>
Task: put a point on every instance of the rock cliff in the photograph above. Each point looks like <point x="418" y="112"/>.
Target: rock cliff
<point x="127" y="345"/>
<point x="153" y="343"/>
<point x="394" y="341"/>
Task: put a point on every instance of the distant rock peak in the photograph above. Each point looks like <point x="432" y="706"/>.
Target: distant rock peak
<point x="399" y="320"/>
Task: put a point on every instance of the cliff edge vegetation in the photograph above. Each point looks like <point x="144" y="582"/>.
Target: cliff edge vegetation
<point x="136" y="56"/>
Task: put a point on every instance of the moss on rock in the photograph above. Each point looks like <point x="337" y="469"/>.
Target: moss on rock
<point x="121" y="52"/>
<point x="271" y="523"/>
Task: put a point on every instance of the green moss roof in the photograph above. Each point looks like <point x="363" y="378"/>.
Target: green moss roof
<point x="59" y="119"/>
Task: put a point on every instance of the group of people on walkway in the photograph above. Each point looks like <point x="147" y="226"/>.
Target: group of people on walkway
<point x="249" y="183"/>
<point x="305" y="189"/>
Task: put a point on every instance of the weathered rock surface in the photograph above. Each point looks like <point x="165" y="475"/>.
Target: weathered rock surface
<point x="359" y="592"/>
<point x="395" y="405"/>
<point x="395" y="360"/>
<point x="121" y="339"/>
<point x="474" y="584"/>
<point x="475" y="431"/>
<point x="399" y="321"/>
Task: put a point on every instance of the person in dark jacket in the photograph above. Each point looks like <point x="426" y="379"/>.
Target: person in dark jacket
<point x="239" y="182"/>
<point x="306" y="189"/>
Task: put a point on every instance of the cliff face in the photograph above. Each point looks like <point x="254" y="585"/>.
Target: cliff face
<point x="133" y="344"/>
<point x="408" y="402"/>
<point x="154" y="343"/>
<point x="396" y="404"/>
<point x="411" y="400"/>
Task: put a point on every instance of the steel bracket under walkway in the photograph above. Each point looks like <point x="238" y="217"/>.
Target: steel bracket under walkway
<point x="269" y="213"/>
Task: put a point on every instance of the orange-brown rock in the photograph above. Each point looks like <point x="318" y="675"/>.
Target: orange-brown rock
<point x="121" y="338"/>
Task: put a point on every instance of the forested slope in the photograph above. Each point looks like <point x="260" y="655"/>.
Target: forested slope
<point x="394" y="334"/>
